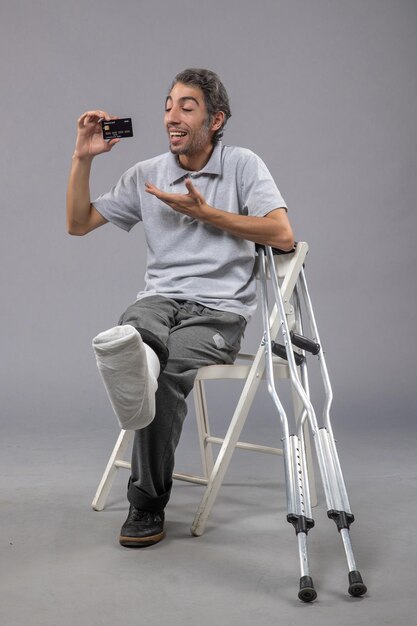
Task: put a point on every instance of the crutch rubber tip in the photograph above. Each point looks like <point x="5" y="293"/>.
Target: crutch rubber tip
<point x="307" y="592"/>
<point x="356" y="585"/>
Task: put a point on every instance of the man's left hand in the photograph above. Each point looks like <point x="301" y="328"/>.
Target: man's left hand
<point x="192" y="203"/>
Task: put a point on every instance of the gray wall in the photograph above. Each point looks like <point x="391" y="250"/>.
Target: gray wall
<point x="325" y="92"/>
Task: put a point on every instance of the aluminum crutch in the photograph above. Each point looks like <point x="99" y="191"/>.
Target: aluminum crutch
<point x="338" y="502"/>
<point x="338" y="507"/>
<point x="296" y="479"/>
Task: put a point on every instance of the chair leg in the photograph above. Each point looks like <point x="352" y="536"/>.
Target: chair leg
<point x="206" y="449"/>
<point x="226" y="451"/>
<point x="116" y="458"/>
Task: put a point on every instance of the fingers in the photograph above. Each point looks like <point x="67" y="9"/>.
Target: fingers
<point x="174" y="197"/>
<point x="196" y="195"/>
<point x="190" y="186"/>
<point x="168" y="198"/>
<point x="93" y="117"/>
<point x="112" y="142"/>
<point x="153" y="190"/>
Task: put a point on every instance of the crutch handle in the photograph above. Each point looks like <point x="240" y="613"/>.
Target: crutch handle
<point x="305" y="343"/>
<point x="279" y="350"/>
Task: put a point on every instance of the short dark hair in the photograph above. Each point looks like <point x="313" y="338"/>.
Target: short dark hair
<point x="215" y="94"/>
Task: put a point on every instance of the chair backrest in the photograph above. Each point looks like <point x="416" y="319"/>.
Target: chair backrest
<point x="286" y="263"/>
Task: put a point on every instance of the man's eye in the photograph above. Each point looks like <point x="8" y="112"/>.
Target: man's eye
<point x="187" y="110"/>
<point x="167" y="110"/>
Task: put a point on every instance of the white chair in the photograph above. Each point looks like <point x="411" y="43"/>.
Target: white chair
<point x="248" y="368"/>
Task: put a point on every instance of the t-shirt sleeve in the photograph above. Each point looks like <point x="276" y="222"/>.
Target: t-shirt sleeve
<point x="260" y="194"/>
<point x="121" y="205"/>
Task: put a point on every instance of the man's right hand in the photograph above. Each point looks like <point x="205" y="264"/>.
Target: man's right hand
<point x="90" y="140"/>
<point x="82" y="216"/>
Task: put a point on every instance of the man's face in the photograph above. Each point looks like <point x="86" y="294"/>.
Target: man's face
<point x="187" y="121"/>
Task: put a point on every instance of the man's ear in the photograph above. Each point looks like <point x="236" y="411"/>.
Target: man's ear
<point x="218" y="121"/>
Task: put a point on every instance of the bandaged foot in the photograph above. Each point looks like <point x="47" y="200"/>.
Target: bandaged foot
<point x="129" y="369"/>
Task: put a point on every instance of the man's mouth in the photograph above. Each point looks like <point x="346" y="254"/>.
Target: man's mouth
<point x="176" y="135"/>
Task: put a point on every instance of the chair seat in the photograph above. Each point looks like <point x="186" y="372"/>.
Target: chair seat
<point x="240" y="371"/>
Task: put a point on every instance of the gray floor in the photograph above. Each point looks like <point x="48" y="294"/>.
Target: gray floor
<point x="61" y="563"/>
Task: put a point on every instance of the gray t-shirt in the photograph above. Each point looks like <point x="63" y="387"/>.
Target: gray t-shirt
<point x="188" y="259"/>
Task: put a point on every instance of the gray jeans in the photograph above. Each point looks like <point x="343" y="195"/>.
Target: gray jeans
<point x="195" y="336"/>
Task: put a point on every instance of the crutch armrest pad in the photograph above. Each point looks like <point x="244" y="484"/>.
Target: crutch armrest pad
<point x="276" y="251"/>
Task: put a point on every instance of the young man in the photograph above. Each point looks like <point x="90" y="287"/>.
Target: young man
<point x="202" y="205"/>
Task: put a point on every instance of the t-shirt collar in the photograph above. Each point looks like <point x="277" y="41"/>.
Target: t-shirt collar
<point x="213" y="166"/>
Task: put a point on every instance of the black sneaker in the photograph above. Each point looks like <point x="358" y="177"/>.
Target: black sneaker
<point x="142" y="528"/>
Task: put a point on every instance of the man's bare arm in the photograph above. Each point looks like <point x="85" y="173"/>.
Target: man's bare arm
<point x="272" y="230"/>
<point x="82" y="216"/>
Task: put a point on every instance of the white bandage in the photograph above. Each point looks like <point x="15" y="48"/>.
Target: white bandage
<point x="129" y="369"/>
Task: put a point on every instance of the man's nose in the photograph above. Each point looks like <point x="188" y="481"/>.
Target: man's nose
<point x="172" y="116"/>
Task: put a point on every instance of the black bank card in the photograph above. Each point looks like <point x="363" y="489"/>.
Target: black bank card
<point x="119" y="129"/>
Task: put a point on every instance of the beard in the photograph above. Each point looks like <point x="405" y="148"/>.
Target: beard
<point x="195" y="142"/>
